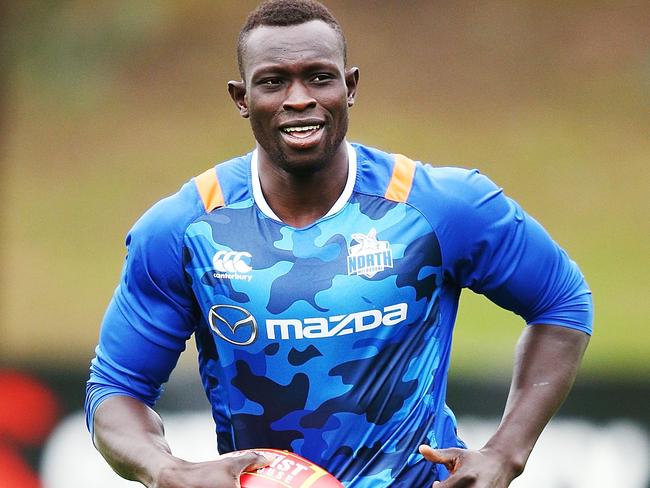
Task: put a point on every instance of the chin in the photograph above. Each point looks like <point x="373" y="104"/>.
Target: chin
<point x="302" y="163"/>
<point x="304" y="166"/>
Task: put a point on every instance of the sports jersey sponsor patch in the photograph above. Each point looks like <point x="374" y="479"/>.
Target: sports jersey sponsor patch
<point x="233" y="324"/>
<point x="369" y="256"/>
<point x="232" y="265"/>
<point x="337" y="325"/>
<point x="238" y="326"/>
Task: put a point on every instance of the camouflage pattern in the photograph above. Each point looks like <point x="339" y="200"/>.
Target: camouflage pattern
<point x="333" y="340"/>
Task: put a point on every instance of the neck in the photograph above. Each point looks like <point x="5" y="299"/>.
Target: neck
<point x="299" y="199"/>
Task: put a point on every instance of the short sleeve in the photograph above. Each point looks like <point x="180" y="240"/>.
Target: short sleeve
<point x="492" y="246"/>
<point x="152" y="312"/>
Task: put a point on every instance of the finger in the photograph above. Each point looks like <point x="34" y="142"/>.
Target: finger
<point x="452" y="482"/>
<point x="249" y="461"/>
<point x="448" y="457"/>
<point x="457" y="482"/>
<point x="268" y="458"/>
<point x="443" y="484"/>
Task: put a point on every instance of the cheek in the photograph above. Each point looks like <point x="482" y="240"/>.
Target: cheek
<point x="334" y="103"/>
<point x="260" y="123"/>
<point x="339" y="110"/>
<point x="263" y="108"/>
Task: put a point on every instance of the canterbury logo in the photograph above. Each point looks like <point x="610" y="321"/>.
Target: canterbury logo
<point x="232" y="262"/>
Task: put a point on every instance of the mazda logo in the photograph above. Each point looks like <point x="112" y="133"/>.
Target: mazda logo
<point x="232" y="324"/>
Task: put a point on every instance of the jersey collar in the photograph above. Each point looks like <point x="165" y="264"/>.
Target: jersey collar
<point x="258" y="196"/>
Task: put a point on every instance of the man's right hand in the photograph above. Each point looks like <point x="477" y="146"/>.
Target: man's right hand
<point x="221" y="473"/>
<point x="131" y="438"/>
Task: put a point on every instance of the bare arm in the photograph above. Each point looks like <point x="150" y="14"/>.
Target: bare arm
<point x="546" y="364"/>
<point x="131" y="438"/>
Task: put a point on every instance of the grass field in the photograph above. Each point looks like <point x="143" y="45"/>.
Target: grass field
<point x="105" y="112"/>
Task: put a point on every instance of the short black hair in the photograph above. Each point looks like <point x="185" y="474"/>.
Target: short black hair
<point x="284" y="13"/>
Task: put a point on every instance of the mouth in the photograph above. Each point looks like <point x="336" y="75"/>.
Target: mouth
<point x="303" y="135"/>
<point x="301" y="131"/>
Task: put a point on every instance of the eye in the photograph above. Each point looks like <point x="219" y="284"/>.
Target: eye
<point x="270" y="82"/>
<point x="322" y="77"/>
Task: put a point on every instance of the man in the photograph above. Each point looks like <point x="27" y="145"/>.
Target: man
<point x="321" y="282"/>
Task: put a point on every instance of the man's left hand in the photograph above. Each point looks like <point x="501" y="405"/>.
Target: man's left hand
<point x="471" y="469"/>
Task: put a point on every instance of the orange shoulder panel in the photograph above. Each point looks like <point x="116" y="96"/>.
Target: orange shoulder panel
<point x="401" y="180"/>
<point x="208" y="186"/>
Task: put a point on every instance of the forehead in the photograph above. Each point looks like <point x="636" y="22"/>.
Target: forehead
<point x="293" y="44"/>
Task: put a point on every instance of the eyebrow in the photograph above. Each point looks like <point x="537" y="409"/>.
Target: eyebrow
<point x="284" y="68"/>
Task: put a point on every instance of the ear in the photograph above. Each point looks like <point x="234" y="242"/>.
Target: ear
<point x="237" y="90"/>
<point x="352" y="81"/>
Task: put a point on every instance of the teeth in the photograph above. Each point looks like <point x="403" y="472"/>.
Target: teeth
<point x="301" y="129"/>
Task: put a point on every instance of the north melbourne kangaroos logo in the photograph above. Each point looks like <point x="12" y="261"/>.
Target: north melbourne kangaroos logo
<point x="369" y="256"/>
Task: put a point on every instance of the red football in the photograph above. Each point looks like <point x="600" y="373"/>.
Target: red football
<point x="289" y="470"/>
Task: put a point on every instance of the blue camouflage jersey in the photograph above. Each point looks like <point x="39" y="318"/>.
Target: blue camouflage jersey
<point x="331" y="340"/>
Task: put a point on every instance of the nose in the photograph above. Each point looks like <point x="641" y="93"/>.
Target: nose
<point x="298" y="98"/>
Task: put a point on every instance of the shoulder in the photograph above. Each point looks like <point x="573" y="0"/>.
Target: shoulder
<point x="464" y="206"/>
<point x="374" y="169"/>
<point x="170" y="216"/>
<point x="433" y="190"/>
<point x="215" y="187"/>
<point x="452" y="194"/>
<point x="452" y="186"/>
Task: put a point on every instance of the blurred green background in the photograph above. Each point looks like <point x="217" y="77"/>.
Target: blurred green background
<point x="105" y="107"/>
